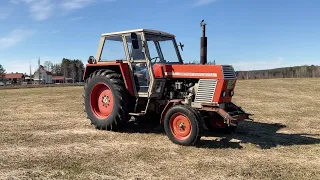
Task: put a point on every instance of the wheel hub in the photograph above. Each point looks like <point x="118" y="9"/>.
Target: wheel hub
<point x="105" y="100"/>
<point x="182" y="126"/>
<point x="101" y="100"/>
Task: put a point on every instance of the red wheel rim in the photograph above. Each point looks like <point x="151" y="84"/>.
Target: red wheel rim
<point x="101" y="100"/>
<point x="218" y="123"/>
<point x="180" y="126"/>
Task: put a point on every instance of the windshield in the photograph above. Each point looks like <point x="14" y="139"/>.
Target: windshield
<point x="162" y="49"/>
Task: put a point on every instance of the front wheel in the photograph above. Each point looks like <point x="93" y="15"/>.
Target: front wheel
<point x="182" y="125"/>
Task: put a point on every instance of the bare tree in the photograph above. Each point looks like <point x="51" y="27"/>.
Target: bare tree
<point x="48" y="66"/>
<point x="80" y="69"/>
<point x="73" y="71"/>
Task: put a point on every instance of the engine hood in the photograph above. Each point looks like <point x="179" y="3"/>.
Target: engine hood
<point x="196" y="71"/>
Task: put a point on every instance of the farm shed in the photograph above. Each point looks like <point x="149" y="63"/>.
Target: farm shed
<point x="14" y="78"/>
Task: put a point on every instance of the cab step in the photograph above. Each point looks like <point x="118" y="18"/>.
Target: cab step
<point x="138" y="114"/>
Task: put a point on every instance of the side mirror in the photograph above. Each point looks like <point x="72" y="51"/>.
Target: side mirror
<point x="181" y="46"/>
<point x="91" y="60"/>
<point x="134" y="41"/>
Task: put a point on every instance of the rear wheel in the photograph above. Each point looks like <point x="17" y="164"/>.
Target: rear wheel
<point x="182" y="125"/>
<point x="106" y="100"/>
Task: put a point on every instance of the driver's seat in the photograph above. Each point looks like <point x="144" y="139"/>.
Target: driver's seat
<point x="137" y="54"/>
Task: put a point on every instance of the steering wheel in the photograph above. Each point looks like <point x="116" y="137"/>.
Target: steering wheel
<point x="155" y="59"/>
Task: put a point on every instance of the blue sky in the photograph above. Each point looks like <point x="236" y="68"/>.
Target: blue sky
<point x="249" y="34"/>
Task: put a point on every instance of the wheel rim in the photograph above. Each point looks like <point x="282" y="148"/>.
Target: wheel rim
<point x="101" y="100"/>
<point x="180" y="126"/>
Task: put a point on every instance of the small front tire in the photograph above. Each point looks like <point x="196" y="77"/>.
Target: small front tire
<point x="182" y="125"/>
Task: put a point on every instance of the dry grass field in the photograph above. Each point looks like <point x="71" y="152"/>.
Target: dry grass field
<point x="44" y="135"/>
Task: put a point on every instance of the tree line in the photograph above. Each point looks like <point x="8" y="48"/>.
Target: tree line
<point x="2" y="73"/>
<point x="75" y="68"/>
<point x="68" y="68"/>
<point x="286" y="72"/>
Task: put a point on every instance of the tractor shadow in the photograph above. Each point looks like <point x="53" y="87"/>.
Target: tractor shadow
<point x="263" y="135"/>
<point x="144" y="127"/>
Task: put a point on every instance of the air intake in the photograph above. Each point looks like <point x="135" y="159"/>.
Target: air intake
<point x="206" y="90"/>
<point x="228" y="72"/>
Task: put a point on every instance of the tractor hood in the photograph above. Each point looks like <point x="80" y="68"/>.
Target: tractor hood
<point x="194" y="71"/>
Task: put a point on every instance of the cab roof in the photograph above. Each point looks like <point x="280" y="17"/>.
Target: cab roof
<point x="139" y="30"/>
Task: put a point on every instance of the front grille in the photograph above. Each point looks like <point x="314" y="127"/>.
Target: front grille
<point x="228" y="72"/>
<point x="206" y="89"/>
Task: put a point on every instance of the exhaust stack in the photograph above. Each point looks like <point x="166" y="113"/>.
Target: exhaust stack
<point x="203" y="45"/>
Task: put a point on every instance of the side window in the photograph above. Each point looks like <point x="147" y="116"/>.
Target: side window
<point x="113" y="49"/>
<point x="135" y="54"/>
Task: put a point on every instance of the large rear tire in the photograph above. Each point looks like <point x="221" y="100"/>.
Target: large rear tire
<point x="106" y="100"/>
<point x="182" y="125"/>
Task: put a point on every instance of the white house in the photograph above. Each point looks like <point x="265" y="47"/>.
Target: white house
<point x="45" y="77"/>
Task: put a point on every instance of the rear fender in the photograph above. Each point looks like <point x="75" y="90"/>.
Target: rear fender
<point x="119" y="67"/>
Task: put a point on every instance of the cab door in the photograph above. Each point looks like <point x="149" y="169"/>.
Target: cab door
<point x="138" y="58"/>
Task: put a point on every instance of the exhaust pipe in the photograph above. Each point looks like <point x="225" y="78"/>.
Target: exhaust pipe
<point x="203" y="45"/>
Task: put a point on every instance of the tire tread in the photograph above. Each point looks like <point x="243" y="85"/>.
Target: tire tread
<point x="120" y="92"/>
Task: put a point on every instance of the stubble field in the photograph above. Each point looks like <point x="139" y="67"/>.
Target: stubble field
<point x="44" y="135"/>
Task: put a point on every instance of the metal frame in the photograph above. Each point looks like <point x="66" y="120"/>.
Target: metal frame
<point x="139" y="30"/>
<point x="230" y="118"/>
<point x="129" y="64"/>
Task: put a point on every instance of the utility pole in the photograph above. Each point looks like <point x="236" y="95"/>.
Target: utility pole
<point x="30" y="73"/>
<point x="39" y="68"/>
<point x="30" y="70"/>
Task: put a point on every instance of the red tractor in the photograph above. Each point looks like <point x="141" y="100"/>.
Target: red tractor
<point x="140" y="72"/>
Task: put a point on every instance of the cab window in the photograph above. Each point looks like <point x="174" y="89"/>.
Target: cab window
<point x="113" y="49"/>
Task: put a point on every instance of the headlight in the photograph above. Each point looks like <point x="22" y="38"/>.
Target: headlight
<point x="223" y="94"/>
<point x="231" y="92"/>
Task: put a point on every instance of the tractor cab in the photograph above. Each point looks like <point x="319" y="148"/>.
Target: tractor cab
<point x="140" y="49"/>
